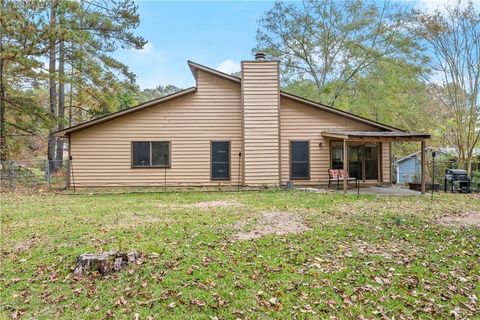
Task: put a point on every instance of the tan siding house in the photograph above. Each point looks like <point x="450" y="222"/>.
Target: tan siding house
<point x="229" y="131"/>
<point x="102" y="154"/>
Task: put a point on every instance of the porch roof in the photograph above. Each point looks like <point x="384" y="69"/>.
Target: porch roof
<point x="374" y="135"/>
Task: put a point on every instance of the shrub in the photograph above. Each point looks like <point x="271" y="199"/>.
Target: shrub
<point x="476" y="180"/>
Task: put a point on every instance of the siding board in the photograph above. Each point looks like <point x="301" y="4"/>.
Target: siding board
<point x="302" y="122"/>
<point x="261" y="103"/>
<point x="101" y="154"/>
<point x="386" y="162"/>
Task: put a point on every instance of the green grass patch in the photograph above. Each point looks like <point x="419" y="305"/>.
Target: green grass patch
<point x="367" y="256"/>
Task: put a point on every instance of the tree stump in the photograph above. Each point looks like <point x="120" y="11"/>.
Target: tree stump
<point x="104" y="263"/>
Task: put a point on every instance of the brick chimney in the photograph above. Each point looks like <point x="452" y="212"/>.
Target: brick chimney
<point x="261" y="116"/>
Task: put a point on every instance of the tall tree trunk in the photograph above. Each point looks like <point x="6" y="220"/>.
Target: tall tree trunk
<point x="3" y="140"/>
<point x="3" y="147"/>
<point x="52" y="86"/>
<point x="70" y="105"/>
<point x="61" y="101"/>
<point x="70" y="92"/>
<point x="461" y="162"/>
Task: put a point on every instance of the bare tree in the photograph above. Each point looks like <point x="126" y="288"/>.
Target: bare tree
<point x="453" y="37"/>
<point x="330" y="42"/>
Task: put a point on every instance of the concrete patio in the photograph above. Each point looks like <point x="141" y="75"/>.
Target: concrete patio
<point x="384" y="190"/>
<point x="372" y="190"/>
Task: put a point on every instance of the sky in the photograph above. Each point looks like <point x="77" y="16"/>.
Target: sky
<point x="218" y="34"/>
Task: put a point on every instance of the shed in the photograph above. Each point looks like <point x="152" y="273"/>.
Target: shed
<point x="408" y="168"/>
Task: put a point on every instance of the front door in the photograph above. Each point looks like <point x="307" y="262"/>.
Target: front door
<point x="355" y="157"/>
<point x="371" y="161"/>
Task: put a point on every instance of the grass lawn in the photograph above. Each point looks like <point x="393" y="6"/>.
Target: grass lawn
<point x="364" y="257"/>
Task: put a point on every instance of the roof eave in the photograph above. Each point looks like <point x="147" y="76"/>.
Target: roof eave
<point x="415" y="154"/>
<point x="195" y="66"/>
<point x="375" y="135"/>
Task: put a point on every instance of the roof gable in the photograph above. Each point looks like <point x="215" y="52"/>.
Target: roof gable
<point x="194" y="68"/>
<point x="410" y="156"/>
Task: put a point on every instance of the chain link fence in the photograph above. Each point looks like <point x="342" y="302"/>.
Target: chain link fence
<point x="55" y="174"/>
<point x="34" y="174"/>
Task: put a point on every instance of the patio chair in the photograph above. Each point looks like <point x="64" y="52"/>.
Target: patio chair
<point x="337" y="175"/>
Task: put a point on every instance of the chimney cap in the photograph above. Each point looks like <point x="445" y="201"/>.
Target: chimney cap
<point x="259" y="56"/>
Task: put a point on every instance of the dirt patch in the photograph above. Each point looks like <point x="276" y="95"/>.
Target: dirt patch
<point x="214" y="204"/>
<point x="134" y="220"/>
<point x="468" y="219"/>
<point x="314" y="190"/>
<point x="27" y="244"/>
<point x="270" y="223"/>
<point x="207" y="205"/>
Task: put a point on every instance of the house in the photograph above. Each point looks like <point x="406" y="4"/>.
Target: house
<point x="408" y="168"/>
<point x="231" y="131"/>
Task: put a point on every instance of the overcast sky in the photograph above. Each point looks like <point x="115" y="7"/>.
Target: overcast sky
<point x="218" y="34"/>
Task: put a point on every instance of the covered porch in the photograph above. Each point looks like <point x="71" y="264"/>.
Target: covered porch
<point x="360" y="153"/>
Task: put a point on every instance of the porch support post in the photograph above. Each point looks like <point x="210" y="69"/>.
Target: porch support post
<point x="345" y="166"/>
<point x="422" y="170"/>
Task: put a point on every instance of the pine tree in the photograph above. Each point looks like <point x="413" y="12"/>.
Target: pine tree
<point x="52" y="84"/>
<point x="58" y="42"/>
<point x="21" y="46"/>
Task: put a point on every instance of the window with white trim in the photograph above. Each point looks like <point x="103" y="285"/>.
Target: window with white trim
<point x="153" y="154"/>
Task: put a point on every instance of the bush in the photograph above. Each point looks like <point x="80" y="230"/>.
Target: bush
<point x="476" y="180"/>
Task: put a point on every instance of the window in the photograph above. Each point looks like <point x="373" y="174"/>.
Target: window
<point x="299" y="160"/>
<point x="220" y="160"/>
<point x="154" y="154"/>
